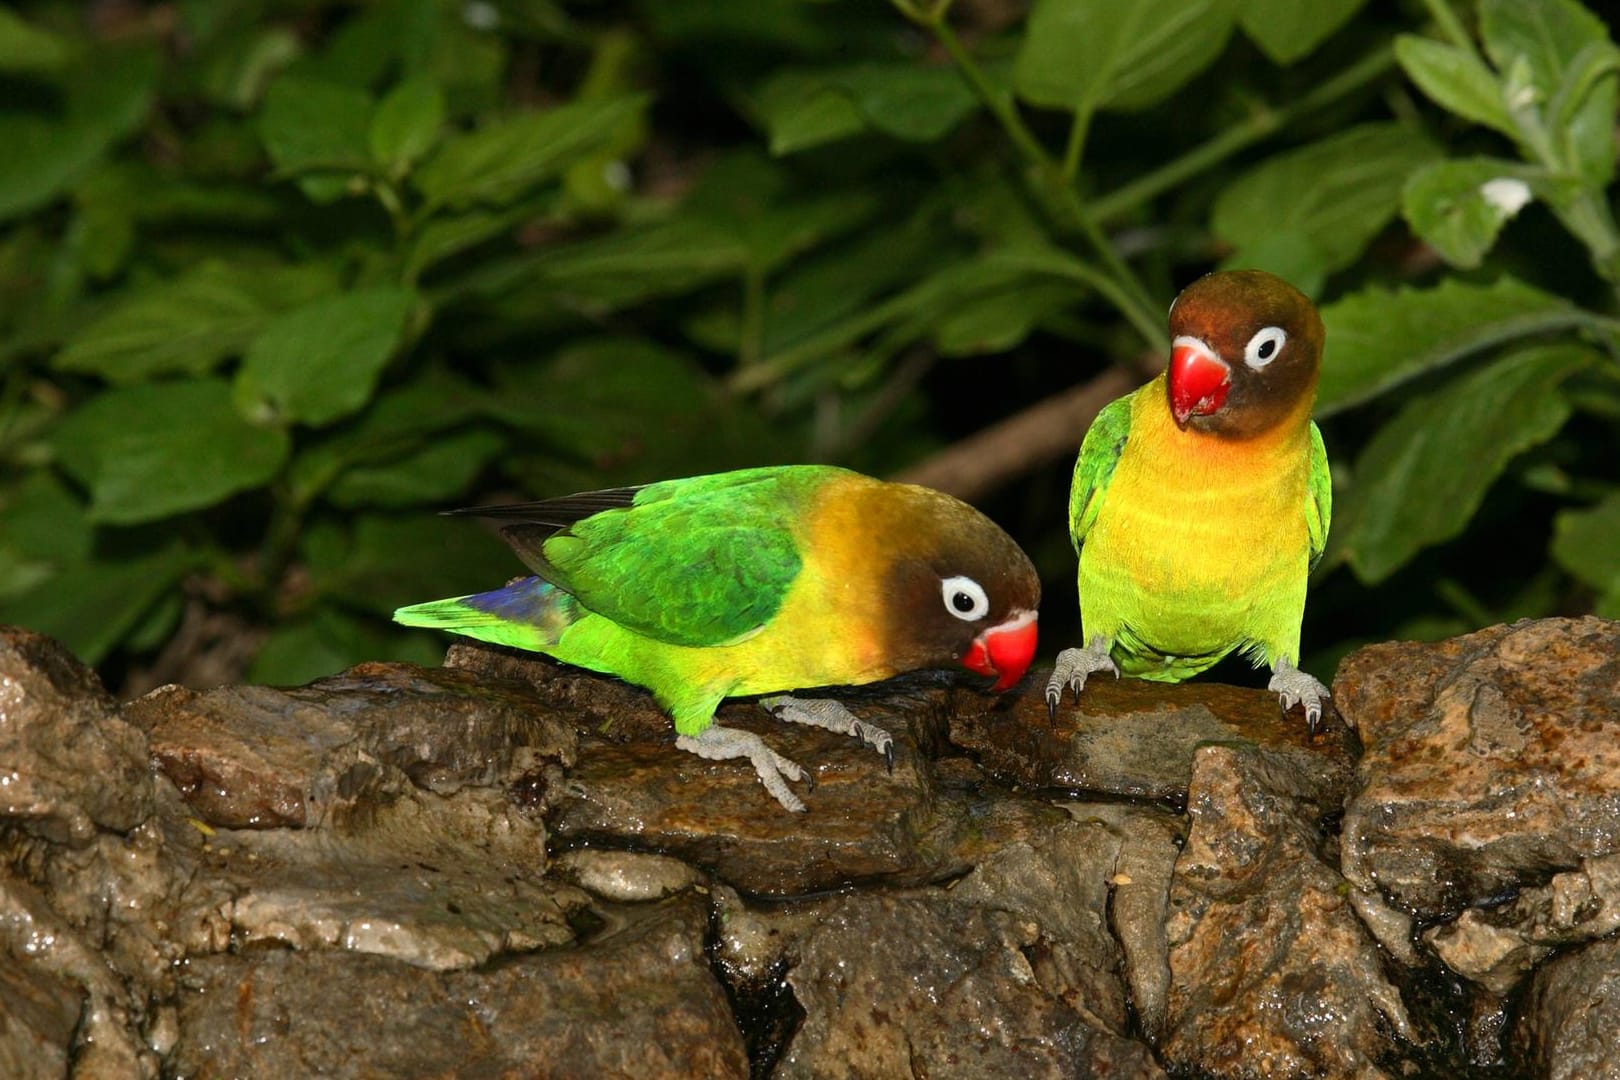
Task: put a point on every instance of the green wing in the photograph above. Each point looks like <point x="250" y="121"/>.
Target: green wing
<point x="1099" y="453"/>
<point x="1319" y="510"/>
<point x="697" y="562"/>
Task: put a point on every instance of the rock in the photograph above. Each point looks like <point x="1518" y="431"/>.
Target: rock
<point x="68" y="765"/>
<point x="931" y="986"/>
<point x="258" y="757"/>
<point x="864" y="822"/>
<point x="1492" y="765"/>
<point x="54" y="968"/>
<point x="626" y="876"/>
<point x="506" y="864"/>
<point x="1135" y="738"/>
<point x="1139" y="903"/>
<point x="1058" y="884"/>
<point x="39" y="1013"/>
<point x="1571" y="1015"/>
<point x="637" y="1000"/>
<point x="1273" y="975"/>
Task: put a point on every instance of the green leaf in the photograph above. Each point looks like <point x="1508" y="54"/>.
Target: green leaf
<point x="1088" y="54"/>
<point x="1378" y="338"/>
<point x="918" y="103"/>
<point x="320" y="362"/>
<point x="1287" y="30"/>
<point x="501" y="161"/>
<point x="320" y="129"/>
<point x="95" y="605"/>
<point x="800" y="109"/>
<point x="915" y="102"/>
<point x="1459" y="207"/>
<point x="191" y="324"/>
<point x="1306" y="213"/>
<point x="106" y="98"/>
<point x="628" y="265"/>
<point x="607" y="397"/>
<point x="1557" y="51"/>
<point x="1456" y="80"/>
<point x="27" y="48"/>
<point x="156" y="449"/>
<point x="1424" y="474"/>
<point x="406" y="124"/>
<point x="995" y="321"/>
<point x="440" y="470"/>
<point x="397" y="425"/>
<point x="43" y="529"/>
<point x="235" y="71"/>
<point x="444" y="237"/>
<point x="1587" y="543"/>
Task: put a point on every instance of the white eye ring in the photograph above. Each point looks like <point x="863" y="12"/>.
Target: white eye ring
<point x="960" y="590"/>
<point x="1263" y="348"/>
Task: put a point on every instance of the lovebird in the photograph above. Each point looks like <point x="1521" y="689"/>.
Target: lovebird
<point x="1201" y="500"/>
<point x="756" y="582"/>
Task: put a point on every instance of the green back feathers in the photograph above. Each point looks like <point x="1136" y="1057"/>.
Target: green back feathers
<point x="1099" y="453"/>
<point x="1319" y="508"/>
<point x="701" y="561"/>
<point x="652" y="566"/>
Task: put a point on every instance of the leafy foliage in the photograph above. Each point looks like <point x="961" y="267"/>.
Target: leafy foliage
<point x="277" y="281"/>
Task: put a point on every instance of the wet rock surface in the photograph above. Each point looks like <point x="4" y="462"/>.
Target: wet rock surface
<point x="1488" y="802"/>
<point x="505" y="867"/>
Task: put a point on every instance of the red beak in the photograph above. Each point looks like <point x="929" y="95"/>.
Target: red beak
<point x="1198" y="380"/>
<point x="1005" y="650"/>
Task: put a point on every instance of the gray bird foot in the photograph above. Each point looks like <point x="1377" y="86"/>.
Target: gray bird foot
<point x="1072" y="668"/>
<point x="716" y="743"/>
<point x="832" y="715"/>
<point x="1295" y="688"/>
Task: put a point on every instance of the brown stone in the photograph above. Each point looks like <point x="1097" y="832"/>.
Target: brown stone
<point x="1272" y="974"/>
<point x="68" y="765"/>
<point x="1492" y="766"/>
<point x="637" y="1001"/>
<point x="258" y="757"/>
<point x="1135" y="738"/>
<point x="1570" y="1020"/>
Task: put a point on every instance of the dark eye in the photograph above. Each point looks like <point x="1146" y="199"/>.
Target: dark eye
<point x="964" y="598"/>
<point x="1264" y="346"/>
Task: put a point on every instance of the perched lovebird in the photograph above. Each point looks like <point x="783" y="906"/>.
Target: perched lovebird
<point x="1201" y="500"/>
<point x="758" y="581"/>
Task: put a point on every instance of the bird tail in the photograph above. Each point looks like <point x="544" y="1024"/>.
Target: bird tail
<point x="530" y="613"/>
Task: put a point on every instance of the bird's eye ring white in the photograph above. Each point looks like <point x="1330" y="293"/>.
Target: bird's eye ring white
<point x="1263" y="348"/>
<point x="964" y="598"/>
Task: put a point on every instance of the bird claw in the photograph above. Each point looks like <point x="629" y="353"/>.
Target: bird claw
<point x="1072" y="669"/>
<point x="716" y="743"/>
<point x="1294" y="687"/>
<point x="833" y="716"/>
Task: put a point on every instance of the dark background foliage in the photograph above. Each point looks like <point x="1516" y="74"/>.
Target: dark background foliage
<point x="280" y="278"/>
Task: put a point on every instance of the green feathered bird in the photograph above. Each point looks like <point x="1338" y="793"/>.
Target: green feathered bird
<point x="758" y="581"/>
<point x="1201" y="501"/>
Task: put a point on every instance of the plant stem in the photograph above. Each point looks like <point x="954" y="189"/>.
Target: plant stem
<point x="1258" y="126"/>
<point x="1077" y="141"/>
<point x="1048" y="182"/>
<point x="1440" y="11"/>
<point x="999" y="104"/>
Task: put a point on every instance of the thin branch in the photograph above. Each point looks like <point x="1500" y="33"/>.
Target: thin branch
<point x="1261" y="124"/>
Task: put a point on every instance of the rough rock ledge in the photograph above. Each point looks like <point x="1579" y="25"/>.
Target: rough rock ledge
<point x="502" y="867"/>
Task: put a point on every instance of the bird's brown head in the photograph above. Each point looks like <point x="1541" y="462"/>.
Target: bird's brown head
<point x="957" y="588"/>
<point x="1245" y="350"/>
